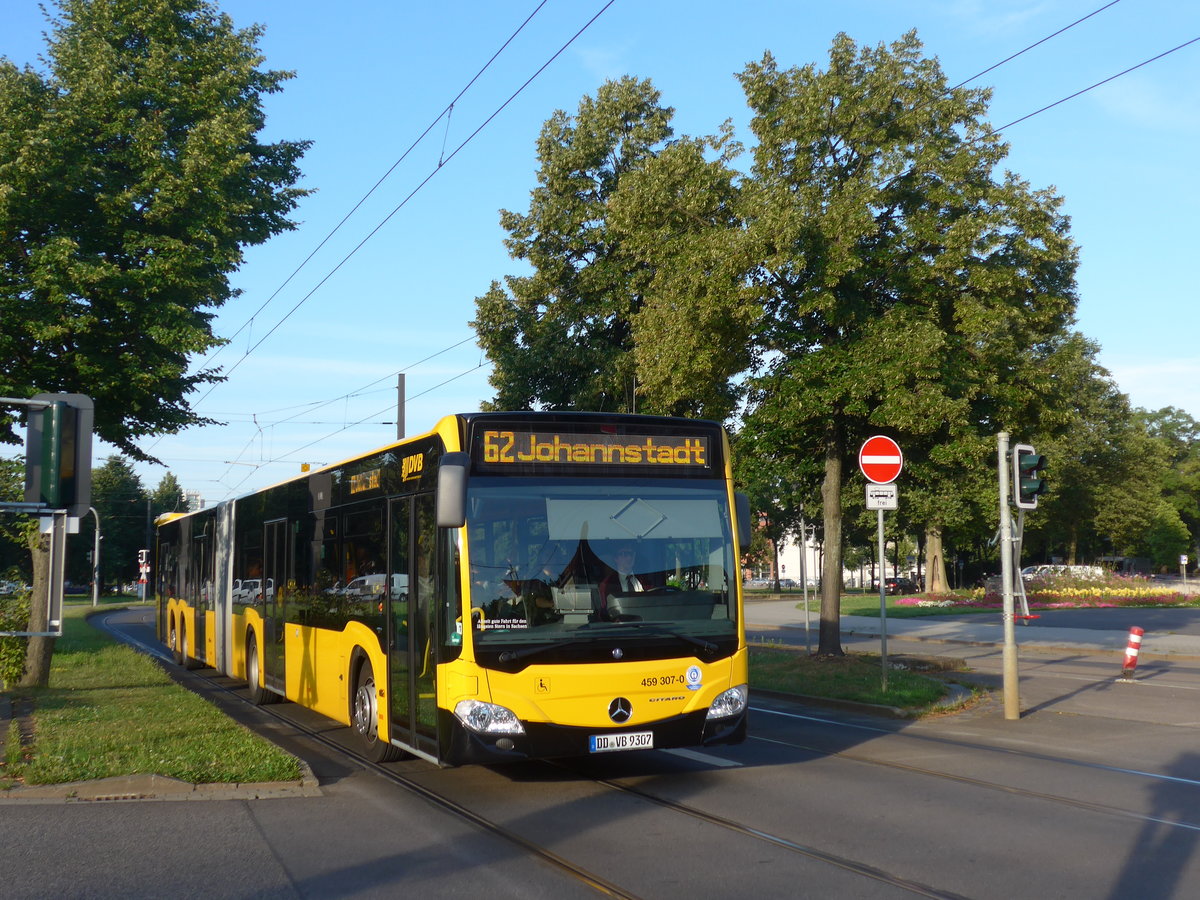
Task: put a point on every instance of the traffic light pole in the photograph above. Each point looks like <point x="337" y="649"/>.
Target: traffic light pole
<point x="1012" y="701"/>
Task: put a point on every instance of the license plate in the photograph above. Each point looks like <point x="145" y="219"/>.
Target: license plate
<point x="634" y="740"/>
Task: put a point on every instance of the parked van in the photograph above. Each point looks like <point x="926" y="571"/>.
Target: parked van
<point x="372" y="586"/>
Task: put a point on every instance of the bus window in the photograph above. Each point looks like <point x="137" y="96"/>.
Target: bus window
<point x="553" y="556"/>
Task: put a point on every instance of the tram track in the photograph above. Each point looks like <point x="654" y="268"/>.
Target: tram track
<point x="440" y="801"/>
<point x="983" y="784"/>
<point x="841" y="862"/>
<point x="985" y="748"/>
<point x="593" y="880"/>
<point x="564" y="865"/>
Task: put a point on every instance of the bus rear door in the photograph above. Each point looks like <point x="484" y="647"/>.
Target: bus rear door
<point x="412" y="535"/>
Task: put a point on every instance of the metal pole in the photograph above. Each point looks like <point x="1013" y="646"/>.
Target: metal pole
<point x="1020" y="598"/>
<point x="1012" y="700"/>
<point x="400" y="406"/>
<point x="144" y="589"/>
<point x="96" y="560"/>
<point x="804" y="579"/>
<point x="883" y="656"/>
<point x="58" y="571"/>
<point x="21" y="401"/>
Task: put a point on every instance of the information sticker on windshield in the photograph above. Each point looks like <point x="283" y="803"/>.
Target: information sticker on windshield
<point x="636" y="740"/>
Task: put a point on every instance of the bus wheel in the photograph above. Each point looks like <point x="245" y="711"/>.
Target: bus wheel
<point x="364" y="718"/>
<point x="184" y="658"/>
<point x="259" y="695"/>
<point x="173" y="642"/>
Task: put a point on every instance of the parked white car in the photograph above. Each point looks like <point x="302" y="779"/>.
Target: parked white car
<point x="372" y="586"/>
<point x="1089" y="573"/>
<point x="249" y="590"/>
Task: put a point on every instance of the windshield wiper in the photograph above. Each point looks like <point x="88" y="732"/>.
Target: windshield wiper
<point x="510" y="656"/>
<point x="655" y="628"/>
<point x="507" y="656"/>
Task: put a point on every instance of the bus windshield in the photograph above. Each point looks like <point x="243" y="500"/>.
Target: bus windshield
<point x="565" y="559"/>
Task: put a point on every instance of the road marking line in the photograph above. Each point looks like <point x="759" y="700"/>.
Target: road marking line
<point x="705" y="758"/>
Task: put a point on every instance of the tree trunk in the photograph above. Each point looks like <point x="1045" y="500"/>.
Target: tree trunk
<point x="830" y="641"/>
<point x="936" y="581"/>
<point x="40" y="649"/>
<point x="922" y="559"/>
<point x="775" y="566"/>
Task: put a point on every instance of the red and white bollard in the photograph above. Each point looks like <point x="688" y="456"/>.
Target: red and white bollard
<point x="1131" y="651"/>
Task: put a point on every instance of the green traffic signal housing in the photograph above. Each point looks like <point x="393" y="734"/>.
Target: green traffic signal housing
<point x="58" y="453"/>
<point x="1028" y="478"/>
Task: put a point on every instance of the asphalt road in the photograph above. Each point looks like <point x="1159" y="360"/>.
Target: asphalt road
<point x="1176" y="621"/>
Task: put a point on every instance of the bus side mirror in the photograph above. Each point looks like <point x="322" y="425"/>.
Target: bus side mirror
<point x="742" y="503"/>
<point x="452" y="490"/>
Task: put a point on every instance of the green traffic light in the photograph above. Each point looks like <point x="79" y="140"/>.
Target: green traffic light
<point x="1028" y="480"/>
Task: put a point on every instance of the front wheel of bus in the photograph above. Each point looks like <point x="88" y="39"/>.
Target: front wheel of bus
<point x="364" y="718"/>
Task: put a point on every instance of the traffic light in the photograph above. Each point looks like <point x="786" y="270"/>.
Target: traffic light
<point x="1028" y="479"/>
<point x="58" y="453"/>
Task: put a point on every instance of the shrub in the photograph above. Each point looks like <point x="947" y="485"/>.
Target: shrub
<point x="14" y="616"/>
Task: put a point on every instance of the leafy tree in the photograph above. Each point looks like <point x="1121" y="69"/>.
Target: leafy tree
<point x="168" y="496"/>
<point x="131" y="179"/>
<point x="123" y="504"/>
<point x="561" y="338"/>
<point x="677" y="215"/>
<point x="1085" y="461"/>
<point x="911" y="292"/>
<point x="1181" y="485"/>
<point x="14" y="529"/>
<point x="18" y="533"/>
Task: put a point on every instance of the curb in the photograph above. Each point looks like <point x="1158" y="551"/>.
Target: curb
<point x="124" y="788"/>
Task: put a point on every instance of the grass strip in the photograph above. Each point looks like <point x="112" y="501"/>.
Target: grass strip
<point x="855" y="677"/>
<point x="113" y="711"/>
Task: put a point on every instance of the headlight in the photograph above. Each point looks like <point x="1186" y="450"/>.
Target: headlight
<point x="729" y="703"/>
<point x="488" y="718"/>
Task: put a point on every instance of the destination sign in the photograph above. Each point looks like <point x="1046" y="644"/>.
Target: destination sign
<point x="500" y="447"/>
<point x="364" y="481"/>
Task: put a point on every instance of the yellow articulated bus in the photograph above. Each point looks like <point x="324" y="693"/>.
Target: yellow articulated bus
<point x="508" y="586"/>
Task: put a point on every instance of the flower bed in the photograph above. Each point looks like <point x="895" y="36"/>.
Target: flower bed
<point x="1043" y="595"/>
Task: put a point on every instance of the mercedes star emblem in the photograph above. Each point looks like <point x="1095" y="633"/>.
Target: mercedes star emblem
<point x="620" y="710"/>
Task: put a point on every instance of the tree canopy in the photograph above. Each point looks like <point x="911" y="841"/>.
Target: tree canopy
<point x="561" y="338"/>
<point x="131" y="178"/>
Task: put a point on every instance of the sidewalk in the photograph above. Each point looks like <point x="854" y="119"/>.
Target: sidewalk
<point x="975" y="629"/>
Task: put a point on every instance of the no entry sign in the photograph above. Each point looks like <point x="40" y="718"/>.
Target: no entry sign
<point x="880" y="459"/>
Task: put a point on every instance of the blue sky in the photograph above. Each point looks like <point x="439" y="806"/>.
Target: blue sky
<point x="372" y="76"/>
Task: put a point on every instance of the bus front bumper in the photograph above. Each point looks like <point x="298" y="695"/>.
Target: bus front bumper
<point x="548" y="741"/>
